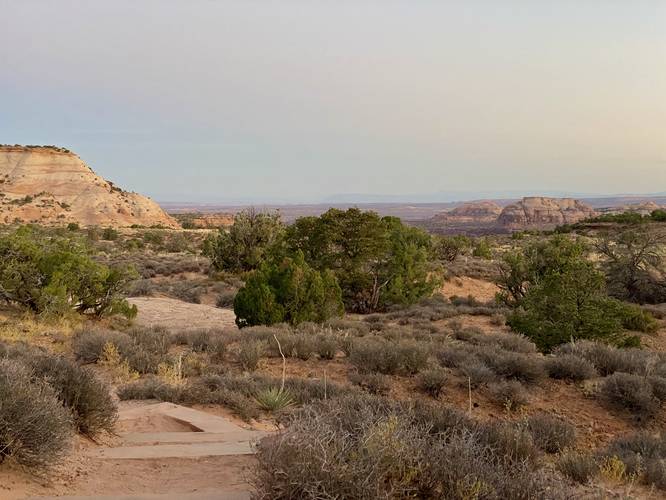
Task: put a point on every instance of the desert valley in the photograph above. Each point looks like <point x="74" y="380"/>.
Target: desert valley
<point x="320" y="250"/>
<point x="157" y="366"/>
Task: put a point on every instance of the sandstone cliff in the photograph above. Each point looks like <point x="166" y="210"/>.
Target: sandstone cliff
<point x="474" y="211"/>
<point x="544" y="213"/>
<point x="53" y="186"/>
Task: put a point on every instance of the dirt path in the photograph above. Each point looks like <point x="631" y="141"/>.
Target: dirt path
<point x="178" y="315"/>
<point x="163" y="451"/>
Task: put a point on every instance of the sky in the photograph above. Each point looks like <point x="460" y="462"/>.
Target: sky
<point x="306" y="100"/>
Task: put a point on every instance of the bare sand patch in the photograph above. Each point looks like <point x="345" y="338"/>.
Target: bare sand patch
<point x="178" y="315"/>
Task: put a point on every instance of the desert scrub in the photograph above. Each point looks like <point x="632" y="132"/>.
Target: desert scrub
<point x="641" y="455"/>
<point x="631" y="393"/>
<point x="551" y="434"/>
<point x="369" y="447"/>
<point x="509" y="394"/>
<point x="578" y="466"/>
<point x="608" y="359"/>
<point x="35" y="428"/>
<point x="380" y="356"/>
<point x="78" y="388"/>
<point x="570" y="367"/>
<point x="374" y="383"/>
<point x="250" y="353"/>
<point x="432" y="382"/>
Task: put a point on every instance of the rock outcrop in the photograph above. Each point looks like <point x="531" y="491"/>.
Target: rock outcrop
<point x="479" y="211"/>
<point x="53" y="186"/>
<point x="544" y="213"/>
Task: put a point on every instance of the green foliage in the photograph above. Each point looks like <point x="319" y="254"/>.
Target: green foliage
<point x="249" y="241"/>
<point x="54" y="275"/>
<point x="274" y="399"/>
<point x="448" y="248"/>
<point x="658" y="215"/>
<point x="110" y="234"/>
<point x="287" y="291"/>
<point x="635" y="265"/>
<point x="72" y="226"/>
<point x="482" y="249"/>
<point x="377" y="261"/>
<point x="558" y="295"/>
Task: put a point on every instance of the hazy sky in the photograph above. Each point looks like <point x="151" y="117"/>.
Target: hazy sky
<point x="291" y="100"/>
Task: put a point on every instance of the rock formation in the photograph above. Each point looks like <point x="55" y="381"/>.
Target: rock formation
<point x="53" y="186"/>
<point x="478" y="211"/>
<point x="544" y="213"/>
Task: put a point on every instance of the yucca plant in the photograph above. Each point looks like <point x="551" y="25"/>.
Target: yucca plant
<point x="274" y="398"/>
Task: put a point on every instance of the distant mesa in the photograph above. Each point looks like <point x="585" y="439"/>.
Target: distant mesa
<point x="474" y="211"/>
<point x="52" y="186"/>
<point x="544" y="213"/>
<point x="488" y="217"/>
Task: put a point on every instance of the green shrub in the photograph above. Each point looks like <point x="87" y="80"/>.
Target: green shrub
<point x="53" y="276"/>
<point x="35" y="428"/>
<point x="247" y="243"/>
<point x="558" y="295"/>
<point x="378" y="261"/>
<point x="289" y="291"/>
<point x="274" y="399"/>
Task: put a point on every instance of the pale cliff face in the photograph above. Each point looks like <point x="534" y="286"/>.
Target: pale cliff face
<point x="55" y="187"/>
<point x="544" y="212"/>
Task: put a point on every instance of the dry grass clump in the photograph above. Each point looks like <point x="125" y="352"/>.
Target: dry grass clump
<point x="551" y="434"/>
<point x="77" y="388"/>
<point x="570" y="367"/>
<point x="35" y="428"/>
<point x="643" y="456"/>
<point x="369" y="447"/>
<point x="510" y="394"/>
<point x="250" y="353"/>
<point x="432" y="381"/>
<point x="632" y="393"/>
<point x="239" y="393"/>
<point x="380" y="356"/>
<point x="80" y="390"/>
<point x="210" y="341"/>
<point x="374" y="383"/>
<point x="608" y="359"/>
<point x="579" y="466"/>
<point x="144" y="350"/>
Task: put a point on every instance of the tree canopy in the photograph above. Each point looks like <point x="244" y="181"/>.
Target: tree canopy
<point x="558" y="295"/>
<point x="52" y="275"/>
<point x="247" y="242"/>
<point x="377" y="261"/>
<point x="287" y="290"/>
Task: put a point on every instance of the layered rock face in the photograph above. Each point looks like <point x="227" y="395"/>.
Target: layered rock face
<point x="478" y="210"/>
<point x="53" y="186"/>
<point x="544" y="213"/>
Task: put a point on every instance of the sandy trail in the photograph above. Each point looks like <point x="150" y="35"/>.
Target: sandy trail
<point x="178" y="315"/>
